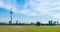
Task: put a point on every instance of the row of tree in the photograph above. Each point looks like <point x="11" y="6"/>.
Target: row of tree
<point x="38" y="23"/>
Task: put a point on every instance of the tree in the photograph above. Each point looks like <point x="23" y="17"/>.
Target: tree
<point x="54" y="23"/>
<point x="38" y="23"/>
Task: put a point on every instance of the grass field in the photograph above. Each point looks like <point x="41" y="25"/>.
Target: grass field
<point x="29" y="29"/>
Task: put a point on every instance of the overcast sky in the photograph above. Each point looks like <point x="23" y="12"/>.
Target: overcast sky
<point x="30" y="10"/>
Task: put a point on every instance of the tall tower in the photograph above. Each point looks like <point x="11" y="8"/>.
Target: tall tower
<point x="11" y="17"/>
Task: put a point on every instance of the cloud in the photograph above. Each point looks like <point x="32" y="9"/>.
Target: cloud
<point x="8" y="5"/>
<point x="41" y="7"/>
<point x="31" y="7"/>
<point x="55" y="15"/>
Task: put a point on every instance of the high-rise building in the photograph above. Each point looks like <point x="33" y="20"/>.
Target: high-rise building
<point x="50" y="23"/>
<point x="17" y="22"/>
<point x="10" y="22"/>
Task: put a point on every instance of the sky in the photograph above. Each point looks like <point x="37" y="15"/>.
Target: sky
<point x="27" y="11"/>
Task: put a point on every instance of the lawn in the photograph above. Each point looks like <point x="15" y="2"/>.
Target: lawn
<point x="29" y="28"/>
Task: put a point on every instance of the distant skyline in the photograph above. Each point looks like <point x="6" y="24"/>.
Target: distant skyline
<point x="30" y="10"/>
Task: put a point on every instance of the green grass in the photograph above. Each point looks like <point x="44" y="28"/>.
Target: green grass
<point x="29" y="28"/>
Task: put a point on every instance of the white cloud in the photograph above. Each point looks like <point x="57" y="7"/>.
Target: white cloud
<point x="7" y="5"/>
<point x="32" y="7"/>
<point x="55" y="16"/>
<point x="4" y="20"/>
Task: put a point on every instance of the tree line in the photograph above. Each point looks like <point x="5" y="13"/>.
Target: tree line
<point x="38" y="23"/>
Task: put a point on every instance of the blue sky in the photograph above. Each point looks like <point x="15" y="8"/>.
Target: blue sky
<point x="30" y="10"/>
